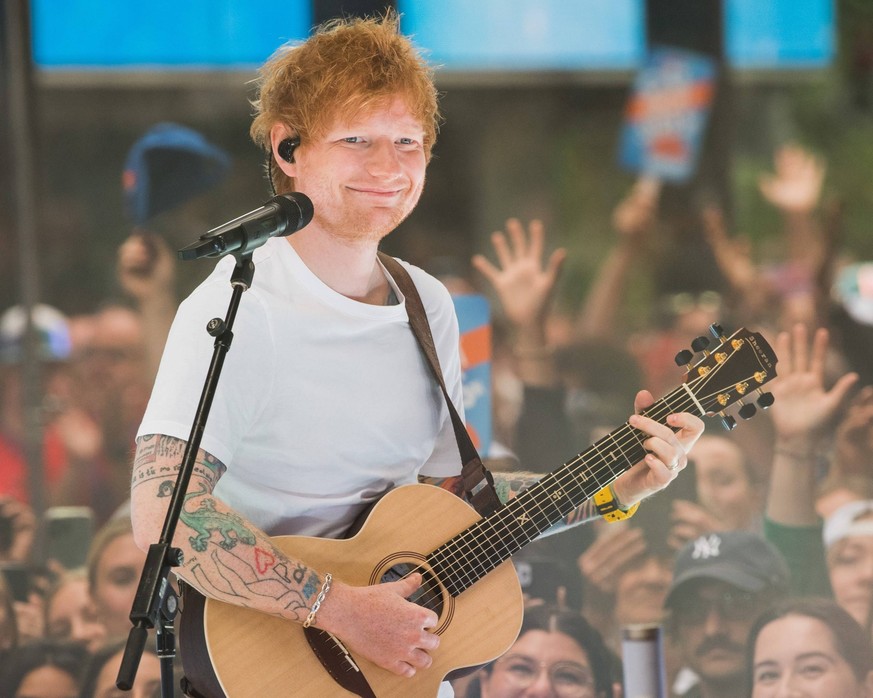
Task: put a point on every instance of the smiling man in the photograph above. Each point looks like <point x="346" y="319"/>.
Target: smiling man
<point x="326" y="402"/>
<point x="721" y="583"/>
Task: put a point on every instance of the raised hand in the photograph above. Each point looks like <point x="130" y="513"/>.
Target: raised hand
<point x="803" y="405"/>
<point x="795" y="186"/>
<point x="146" y="267"/>
<point x="524" y="285"/>
<point x="635" y="214"/>
<point x="610" y="554"/>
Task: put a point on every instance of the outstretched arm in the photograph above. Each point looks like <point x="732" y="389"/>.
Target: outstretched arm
<point x="525" y="286"/>
<point x="632" y="220"/>
<point x="227" y="558"/>
<point x="802" y="409"/>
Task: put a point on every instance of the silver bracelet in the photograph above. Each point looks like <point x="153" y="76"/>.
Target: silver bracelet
<point x="310" y="619"/>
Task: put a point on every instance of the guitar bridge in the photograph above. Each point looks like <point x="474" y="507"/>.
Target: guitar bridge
<point x="337" y="661"/>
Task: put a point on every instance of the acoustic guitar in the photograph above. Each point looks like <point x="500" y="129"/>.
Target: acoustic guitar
<point x="464" y="558"/>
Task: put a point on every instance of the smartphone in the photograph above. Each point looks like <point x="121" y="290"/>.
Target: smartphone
<point x="68" y="532"/>
<point x="17" y="578"/>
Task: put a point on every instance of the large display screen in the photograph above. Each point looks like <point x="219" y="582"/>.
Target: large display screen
<point x="458" y="35"/>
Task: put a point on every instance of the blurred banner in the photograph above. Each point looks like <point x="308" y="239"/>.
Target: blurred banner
<point x="666" y="115"/>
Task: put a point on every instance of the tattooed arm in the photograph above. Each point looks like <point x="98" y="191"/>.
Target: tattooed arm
<point x="227" y="558"/>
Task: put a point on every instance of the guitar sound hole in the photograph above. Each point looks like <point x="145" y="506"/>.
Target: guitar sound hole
<point x="429" y="594"/>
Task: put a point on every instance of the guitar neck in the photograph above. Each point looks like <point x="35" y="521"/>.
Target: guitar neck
<point x="473" y="553"/>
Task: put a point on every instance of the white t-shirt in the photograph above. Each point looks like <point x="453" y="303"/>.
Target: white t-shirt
<point x="324" y="403"/>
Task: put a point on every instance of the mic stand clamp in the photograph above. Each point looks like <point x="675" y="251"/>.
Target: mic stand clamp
<point x="156" y="603"/>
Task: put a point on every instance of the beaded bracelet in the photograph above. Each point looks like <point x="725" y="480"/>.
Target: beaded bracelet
<point x="310" y="619"/>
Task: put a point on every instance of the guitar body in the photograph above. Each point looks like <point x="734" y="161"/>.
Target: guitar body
<point x="253" y="654"/>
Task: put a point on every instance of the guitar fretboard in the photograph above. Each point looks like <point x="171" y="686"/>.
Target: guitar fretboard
<point x="476" y="551"/>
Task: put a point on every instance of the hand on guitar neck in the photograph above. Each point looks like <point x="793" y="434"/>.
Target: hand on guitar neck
<point x="667" y="452"/>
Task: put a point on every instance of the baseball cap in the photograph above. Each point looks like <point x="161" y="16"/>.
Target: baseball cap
<point x="167" y="166"/>
<point x="49" y="324"/>
<point x="851" y="519"/>
<point x="739" y="558"/>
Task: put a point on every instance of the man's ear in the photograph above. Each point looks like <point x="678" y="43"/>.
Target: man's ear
<point x="283" y="143"/>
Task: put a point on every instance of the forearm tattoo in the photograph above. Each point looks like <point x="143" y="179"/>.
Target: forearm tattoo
<point x="226" y="557"/>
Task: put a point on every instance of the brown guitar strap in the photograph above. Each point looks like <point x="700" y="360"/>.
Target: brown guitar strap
<point x="478" y="481"/>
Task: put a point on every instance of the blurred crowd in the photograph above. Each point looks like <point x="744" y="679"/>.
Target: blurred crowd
<point x="756" y="565"/>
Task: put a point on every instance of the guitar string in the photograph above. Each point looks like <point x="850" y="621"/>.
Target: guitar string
<point x="455" y="554"/>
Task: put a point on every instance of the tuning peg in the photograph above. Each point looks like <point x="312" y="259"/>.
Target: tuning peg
<point x="748" y="411"/>
<point x="700" y="343"/>
<point x="717" y="331"/>
<point x="683" y="358"/>
<point x="766" y="400"/>
<point x="729" y="422"/>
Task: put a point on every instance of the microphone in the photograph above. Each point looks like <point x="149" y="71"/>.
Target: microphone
<point x="282" y="215"/>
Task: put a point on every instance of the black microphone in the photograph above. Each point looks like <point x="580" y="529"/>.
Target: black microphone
<point x="282" y="215"/>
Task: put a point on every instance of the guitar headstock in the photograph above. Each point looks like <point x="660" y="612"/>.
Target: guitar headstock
<point x="733" y="371"/>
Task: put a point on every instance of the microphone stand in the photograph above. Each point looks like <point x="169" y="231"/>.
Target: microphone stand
<point x="156" y="603"/>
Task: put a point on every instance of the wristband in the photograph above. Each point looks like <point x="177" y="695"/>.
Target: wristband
<point x="608" y="507"/>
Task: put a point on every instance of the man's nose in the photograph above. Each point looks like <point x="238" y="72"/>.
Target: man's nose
<point x="383" y="160"/>
<point x="714" y="620"/>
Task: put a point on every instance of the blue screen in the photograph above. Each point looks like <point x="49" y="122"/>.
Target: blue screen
<point x="779" y="33"/>
<point x="524" y="35"/>
<point x="458" y="35"/>
<point x="167" y="33"/>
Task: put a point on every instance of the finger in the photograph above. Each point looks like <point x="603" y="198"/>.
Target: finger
<point x="819" y="351"/>
<point x="420" y="659"/>
<point x="643" y="400"/>
<point x="801" y="348"/>
<point x="783" y="351"/>
<point x="429" y="641"/>
<point x="484" y="267"/>
<point x="501" y="249"/>
<point x="842" y="387"/>
<point x="403" y="669"/>
<point x="556" y="263"/>
<point x="516" y="237"/>
<point x="537" y="235"/>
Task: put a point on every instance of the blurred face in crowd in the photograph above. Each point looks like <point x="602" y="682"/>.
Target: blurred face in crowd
<point x="116" y="577"/>
<point x="146" y="684"/>
<point x="541" y="663"/>
<point x="850" y="566"/>
<point x="641" y="590"/>
<point x="711" y="622"/>
<point x="71" y="615"/>
<point x="723" y="483"/>
<point x="797" y="656"/>
<point x="48" y="682"/>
